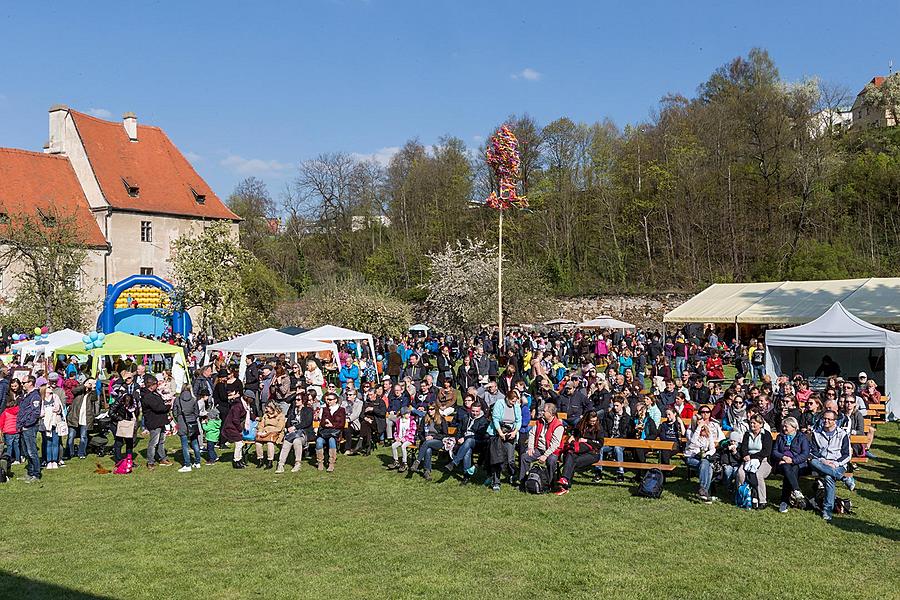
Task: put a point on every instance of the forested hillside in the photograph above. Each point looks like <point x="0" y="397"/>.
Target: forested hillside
<point x="745" y="180"/>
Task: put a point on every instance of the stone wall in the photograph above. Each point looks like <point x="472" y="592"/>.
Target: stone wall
<point x="645" y="311"/>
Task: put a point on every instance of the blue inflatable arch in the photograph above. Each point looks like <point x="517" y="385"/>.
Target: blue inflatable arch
<point x="181" y="321"/>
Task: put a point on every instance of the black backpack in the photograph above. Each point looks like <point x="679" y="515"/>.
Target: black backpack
<point x="538" y="479"/>
<point x="652" y="484"/>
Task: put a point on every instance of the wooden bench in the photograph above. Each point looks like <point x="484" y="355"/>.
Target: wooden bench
<point x="636" y="444"/>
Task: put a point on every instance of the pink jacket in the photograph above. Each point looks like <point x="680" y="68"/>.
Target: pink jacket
<point x="8" y="420"/>
<point x="410" y="435"/>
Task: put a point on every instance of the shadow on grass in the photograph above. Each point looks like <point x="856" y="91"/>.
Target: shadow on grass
<point x="22" y="588"/>
<point x="865" y="527"/>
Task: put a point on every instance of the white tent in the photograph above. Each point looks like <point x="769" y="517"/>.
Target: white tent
<point x="271" y="341"/>
<point x="606" y="322"/>
<point x="331" y="333"/>
<point x="554" y="322"/>
<point x="54" y="340"/>
<point x="852" y="343"/>
<point x="419" y="327"/>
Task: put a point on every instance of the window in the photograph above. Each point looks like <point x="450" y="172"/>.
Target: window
<point x="198" y="198"/>
<point x="132" y="188"/>
<point x="146" y="231"/>
<point x="146" y="270"/>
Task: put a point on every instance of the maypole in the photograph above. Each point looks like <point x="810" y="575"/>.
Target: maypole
<point x="503" y="158"/>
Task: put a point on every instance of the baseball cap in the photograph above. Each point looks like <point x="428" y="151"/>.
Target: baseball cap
<point x="862" y="374"/>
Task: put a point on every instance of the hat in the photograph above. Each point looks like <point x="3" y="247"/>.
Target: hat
<point x="249" y="394"/>
<point x="405" y="410"/>
<point x="386" y="378"/>
<point x="53" y="376"/>
<point x="862" y="374"/>
<point x="222" y="373"/>
<point x="212" y="413"/>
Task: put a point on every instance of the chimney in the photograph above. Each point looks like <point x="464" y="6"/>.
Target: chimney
<point x="129" y="120"/>
<point x="57" y="143"/>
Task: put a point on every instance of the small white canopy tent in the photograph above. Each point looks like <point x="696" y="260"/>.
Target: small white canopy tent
<point x="606" y="322"/>
<point x="420" y="327"/>
<point x="57" y="339"/>
<point x="851" y="342"/>
<point x="270" y="341"/>
<point x="331" y="333"/>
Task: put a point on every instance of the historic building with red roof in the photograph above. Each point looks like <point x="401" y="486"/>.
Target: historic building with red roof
<point x="128" y="188"/>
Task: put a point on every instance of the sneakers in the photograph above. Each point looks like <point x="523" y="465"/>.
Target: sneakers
<point x="597" y="478"/>
<point x="562" y="491"/>
<point x="237" y="464"/>
<point x="783" y="507"/>
<point x="296" y="468"/>
<point x="563" y="482"/>
<point x="279" y="469"/>
<point x="826" y="519"/>
<point x="426" y="475"/>
<point x="850" y="482"/>
<point x="402" y="468"/>
<point x="185" y="469"/>
<point x="415" y="466"/>
<point x="195" y="466"/>
<point x="165" y="463"/>
<point x="495" y="487"/>
<point x="704" y="495"/>
<point x="393" y="465"/>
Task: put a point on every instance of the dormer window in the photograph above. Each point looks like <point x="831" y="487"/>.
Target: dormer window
<point x="132" y="188"/>
<point x="198" y="198"/>
<point x="47" y="220"/>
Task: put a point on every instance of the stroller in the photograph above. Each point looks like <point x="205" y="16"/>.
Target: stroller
<point x="98" y="435"/>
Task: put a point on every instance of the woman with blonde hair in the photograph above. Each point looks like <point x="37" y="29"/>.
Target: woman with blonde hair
<point x="270" y="431"/>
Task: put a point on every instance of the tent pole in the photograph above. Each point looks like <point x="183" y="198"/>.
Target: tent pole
<point x="737" y="331"/>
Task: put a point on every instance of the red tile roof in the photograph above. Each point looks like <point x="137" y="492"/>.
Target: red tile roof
<point x="877" y="81"/>
<point x="166" y="181"/>
<point x="32" y="183"/>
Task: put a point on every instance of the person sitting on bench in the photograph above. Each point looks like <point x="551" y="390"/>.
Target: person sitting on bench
<point x="583" y="449"/>
<point x="544" y="443"/>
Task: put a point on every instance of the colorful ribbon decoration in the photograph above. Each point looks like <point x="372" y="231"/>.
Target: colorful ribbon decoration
<point x="503" y="158"/>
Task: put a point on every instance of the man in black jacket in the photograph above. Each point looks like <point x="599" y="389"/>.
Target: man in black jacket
<point x="414" y="370"/>
<point x="156" y="415"/>
<point x="616" y="424"/>
<point x="251" y="381"/>
<point x="472" y="431"/>
<point x="574" y="401"/>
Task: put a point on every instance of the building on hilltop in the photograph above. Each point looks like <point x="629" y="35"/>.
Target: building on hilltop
<point x="865" y="115"/>
<point x="131" y="190"/>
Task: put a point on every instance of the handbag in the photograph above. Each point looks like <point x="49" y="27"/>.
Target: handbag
<point x="125" y="428"/>
<point x="193" y="429"/>
<point x="249" y="434"/>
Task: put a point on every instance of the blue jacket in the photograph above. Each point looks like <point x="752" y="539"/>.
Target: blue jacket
<point x="526" y="415"/>
<point x="497" y="416"/>
<point x="29" y="410"/>
<point x="4" y="389"/>
<point x="348" y="373"/>
<point x="397" y="403"/>
<point x="798" y="449"/>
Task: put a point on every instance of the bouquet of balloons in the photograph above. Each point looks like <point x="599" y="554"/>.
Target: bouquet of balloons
<point x="93" y="340"/>
<point x="40" y="335"/>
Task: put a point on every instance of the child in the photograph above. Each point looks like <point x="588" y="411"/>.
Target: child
<point x="406" y="436"/>
<point x="9" y="431"/>
<point x="212" y="426"/>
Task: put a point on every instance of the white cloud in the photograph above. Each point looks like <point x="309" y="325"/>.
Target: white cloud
<point x="253" y="166"/>
<point x="382" y="157"/>
<point x="528" y="74"/>
<point x="100" y="113"/>
<point x="193" y="157"/>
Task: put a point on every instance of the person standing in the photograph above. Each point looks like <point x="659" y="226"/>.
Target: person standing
<point x="27" y="424"/>
<point x="186" y="410"/>
<point x="156" y="416"/>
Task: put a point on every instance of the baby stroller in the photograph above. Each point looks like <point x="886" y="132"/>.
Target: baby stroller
<point x="98" y="435"/>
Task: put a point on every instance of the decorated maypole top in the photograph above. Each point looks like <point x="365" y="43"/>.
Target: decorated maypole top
<point x="503" y="158"/>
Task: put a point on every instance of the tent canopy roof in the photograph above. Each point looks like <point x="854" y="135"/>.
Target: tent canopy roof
<point x="271" y="341"/>
<point x="838" y="328"/>
<point x="122" y="343"/>
<point x="332" y="332"/>
<point x="875" y="300"/>
<point x="606" y="322"/>
<point x="63" y="337"/>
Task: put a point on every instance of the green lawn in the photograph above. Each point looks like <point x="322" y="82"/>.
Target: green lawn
<point x="363" y="532"/>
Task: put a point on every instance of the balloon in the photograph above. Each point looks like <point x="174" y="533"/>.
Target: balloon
<point x="93" y="335"/>
<point x="98" y="344"/>
<point x="15" y="337"/>
<point x="37" y="331"/>
<point x="101" y="336"/>
<point x="45" y="336"/>
<point x="45" y="329"/>
<point x="89" y="346"/>
<point x="86" y="339"/>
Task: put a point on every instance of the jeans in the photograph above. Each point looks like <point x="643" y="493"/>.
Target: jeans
<point x="320" y="443"/>
<point x="427" y="450"/>
<point x="680" y="363"/>
<point x="620" y="457"/>
<point x="791" y="474"/>
<point x="829" y="476"/>
<point x="463" y="454"/>
<point x="759" y="372"/>
<point x="728" y="474"/>
<point x="530" y="457"/>
<point x="211" y="451"/>
<point x="705" y="470"/>
<point x="29" y="435"/>
<point x="194" y="443"/>
<point x="12" y="446"/>
<point x="117" y="447"/>
<point x="156" y="447"/>
<point x="80" y="431"/>
<point x="50" y="445"/>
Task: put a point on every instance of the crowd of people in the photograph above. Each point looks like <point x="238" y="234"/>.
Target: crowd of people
<point x="547" y="402"/>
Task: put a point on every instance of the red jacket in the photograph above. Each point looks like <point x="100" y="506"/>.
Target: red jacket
<point x="8" y="420"/>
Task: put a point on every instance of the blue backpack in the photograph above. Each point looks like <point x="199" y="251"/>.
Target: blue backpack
<point x="743" y="497"/>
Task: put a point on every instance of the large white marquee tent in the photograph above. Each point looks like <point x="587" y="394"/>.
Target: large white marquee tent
<point x="270" y="341"/>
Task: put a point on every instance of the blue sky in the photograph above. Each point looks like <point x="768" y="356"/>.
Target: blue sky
<point x="252" y="88"/>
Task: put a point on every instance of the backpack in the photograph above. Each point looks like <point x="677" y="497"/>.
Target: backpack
<point x="538" y="479"/>
<point x="652" y="484"/>
<point x="843" y="506"/>
<point x="5" y="473"/>
<point x="124" y="466"/>
<point x="743" y="496"/>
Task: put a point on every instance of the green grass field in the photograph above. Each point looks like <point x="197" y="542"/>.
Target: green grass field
<point x="363" y="532"/>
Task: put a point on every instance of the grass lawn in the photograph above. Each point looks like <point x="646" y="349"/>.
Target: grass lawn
<point x="363" y="532"/>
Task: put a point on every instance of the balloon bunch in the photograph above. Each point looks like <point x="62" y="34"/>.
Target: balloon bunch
<point x="40" y="335"/>
<point x="503" y="158"/>
<point x="93" y="340"/>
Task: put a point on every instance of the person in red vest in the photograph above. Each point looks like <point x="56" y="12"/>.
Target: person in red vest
<point x="544" y="443"/>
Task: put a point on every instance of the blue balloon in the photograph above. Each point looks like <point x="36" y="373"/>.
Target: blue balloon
<point x="98" y="344"/>
<point x="86" y="339"/>
<point x="15" y="337"/>
<point x="101" y="336"/>
<point x="93" y="335"/>
<point x="45" y="336"/>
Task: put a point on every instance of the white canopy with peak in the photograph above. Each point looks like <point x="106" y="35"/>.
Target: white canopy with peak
<point x="332" y="333"/>
<point x="271" y="341"/>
